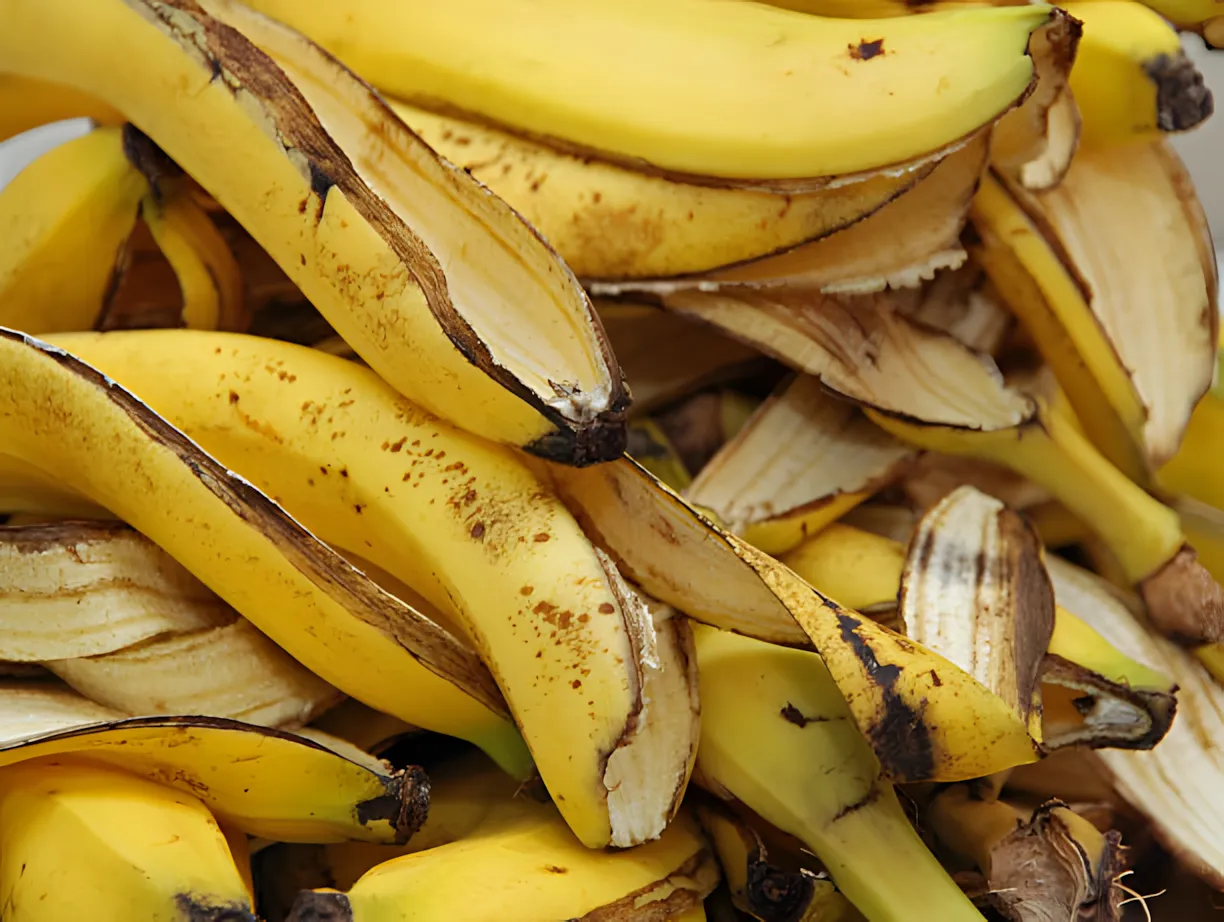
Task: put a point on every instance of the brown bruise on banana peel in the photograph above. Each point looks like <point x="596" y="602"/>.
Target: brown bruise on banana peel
<point x="194" y="908"/>
<point x="237" y="62"/>
<point x="1023" y="135"/>
<point x="1110" y="714"/>
<point x="403" y="804"/>
<point x="1184" y="602"/>
<point x="1183" y="101"/>
<point x="974" y="571"/>
<point x="425" y="641"/>
<point x="1042" y="871"/>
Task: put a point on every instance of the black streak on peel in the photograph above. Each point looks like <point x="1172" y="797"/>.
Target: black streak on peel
<point x="901" y="740"/>
<point x="601" y="438"/>
<point x="405" y="805"/>
<point x="792" y="714"/>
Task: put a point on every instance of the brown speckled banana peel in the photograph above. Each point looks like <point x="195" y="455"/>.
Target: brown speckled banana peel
<point x="926" y="718"/>
<point x="326" y="614"/>
<point x="431" y="278"/>
<point x="461" y="521"/>
<point x="267" y="782"/>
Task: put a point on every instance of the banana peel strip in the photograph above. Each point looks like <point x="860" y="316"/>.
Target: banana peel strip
<point x="801" y="461"/>
<point x="901" y="245"/>
<point x="1054" y="864"/>
<point x="133" y="591"/>
<point x="267" y="782"/>
<point x="964" y="304"/>
<point x="925" y="717"/>
<point x="331" y="574"/>
<point x="665" y="356"/>
<point x="1179" y="785"/>
<point x="974" y="589"/>
<point x="1089" y="219"/>
<point x="869" y="349"/>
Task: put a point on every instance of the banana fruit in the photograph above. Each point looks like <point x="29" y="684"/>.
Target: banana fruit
<point x="66" y="220"/>
<point x="32" y="103"/>
<point x="461" y="522"/>
<point x="265" y="782"/>
<point x="527" y="869"/>
<point x="364" y="224"/>
<point x="772" y="720"/>
<point x="323" y="612"/>
<point x="135" y="849"/>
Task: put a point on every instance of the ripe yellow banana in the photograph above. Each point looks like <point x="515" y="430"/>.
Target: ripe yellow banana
<point x="1194" y="470"/>
<point x="741" y="113"/>
<point x="208" y="274"/>
<point x="135" y="592"/>
<point x="267" y="782"/>
<point x="678" y="555"/>
<point x="1131" y="79"/>
<point x="30" y="103"/>
<point x="882" y="9"/>
<point x="464" y="523"/>
<point x="773" y="720"/>
<point x="83" y="841"/>
<point x="1187" y="14"/>
<point x="66" y="220"/>
<point x="1145" y="535"/>
<point x="1079" y="864"/>
<point x="228" y="671"/>
<point x="326" y="614"/>
<point x="799" y="464"/>
<point x="434" y="281"/>
<point x="1091" y="693"/>
<point x="764" y="890"/>
<point x="526" y="869"/>
<point x="1131" y="374"/>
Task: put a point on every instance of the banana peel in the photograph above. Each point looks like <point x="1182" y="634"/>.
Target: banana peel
<point x="800" y="463"/>
<point x="911" y="703"/>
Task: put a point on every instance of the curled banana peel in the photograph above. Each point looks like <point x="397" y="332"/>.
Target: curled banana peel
<point x="138" y="849"/>
<point x="680" y="557"/>
<point x="1053" y="255"/>
<point x="266" y="782"/>
<point x="1182" y="598"/>
<point x="666" y="356"/>
<point x="1052" y="864"/>
<point x="311" y="602"/>
<point x="209" y="277"/>
<point x="799" y="464"/>
<point x="534" y="868"/>
<point x="1177" y="785"/>
<point x="763" y="890"/>
<point x="32" y="103"/>
<point x="1131" y="78"/>
<point x="450" y="516"/>
<point x="772" y="719"/>
<point x="136" y="591"/>
<point x="1091" y="694"/>
<point x="363" y="225"/>
<point x="974" y="590"/>
<point x="867" y="256"/>
<point x="720" y="45"/>
<point x="67" y="219"/>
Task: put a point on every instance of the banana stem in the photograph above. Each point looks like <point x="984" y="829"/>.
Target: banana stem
<point x="881" y="865"/>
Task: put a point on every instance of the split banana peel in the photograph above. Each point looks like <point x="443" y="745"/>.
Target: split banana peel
<point x="369" y="224"/>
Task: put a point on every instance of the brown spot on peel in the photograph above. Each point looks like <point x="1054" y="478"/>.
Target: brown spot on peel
<point x="1182" y="99"/>
<point x="866" y="49"/>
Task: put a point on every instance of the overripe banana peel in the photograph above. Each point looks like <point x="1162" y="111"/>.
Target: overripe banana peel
<point x="680" y="557"/>
<point x="1052" y="864"/>
<point x="362" y="220"/>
